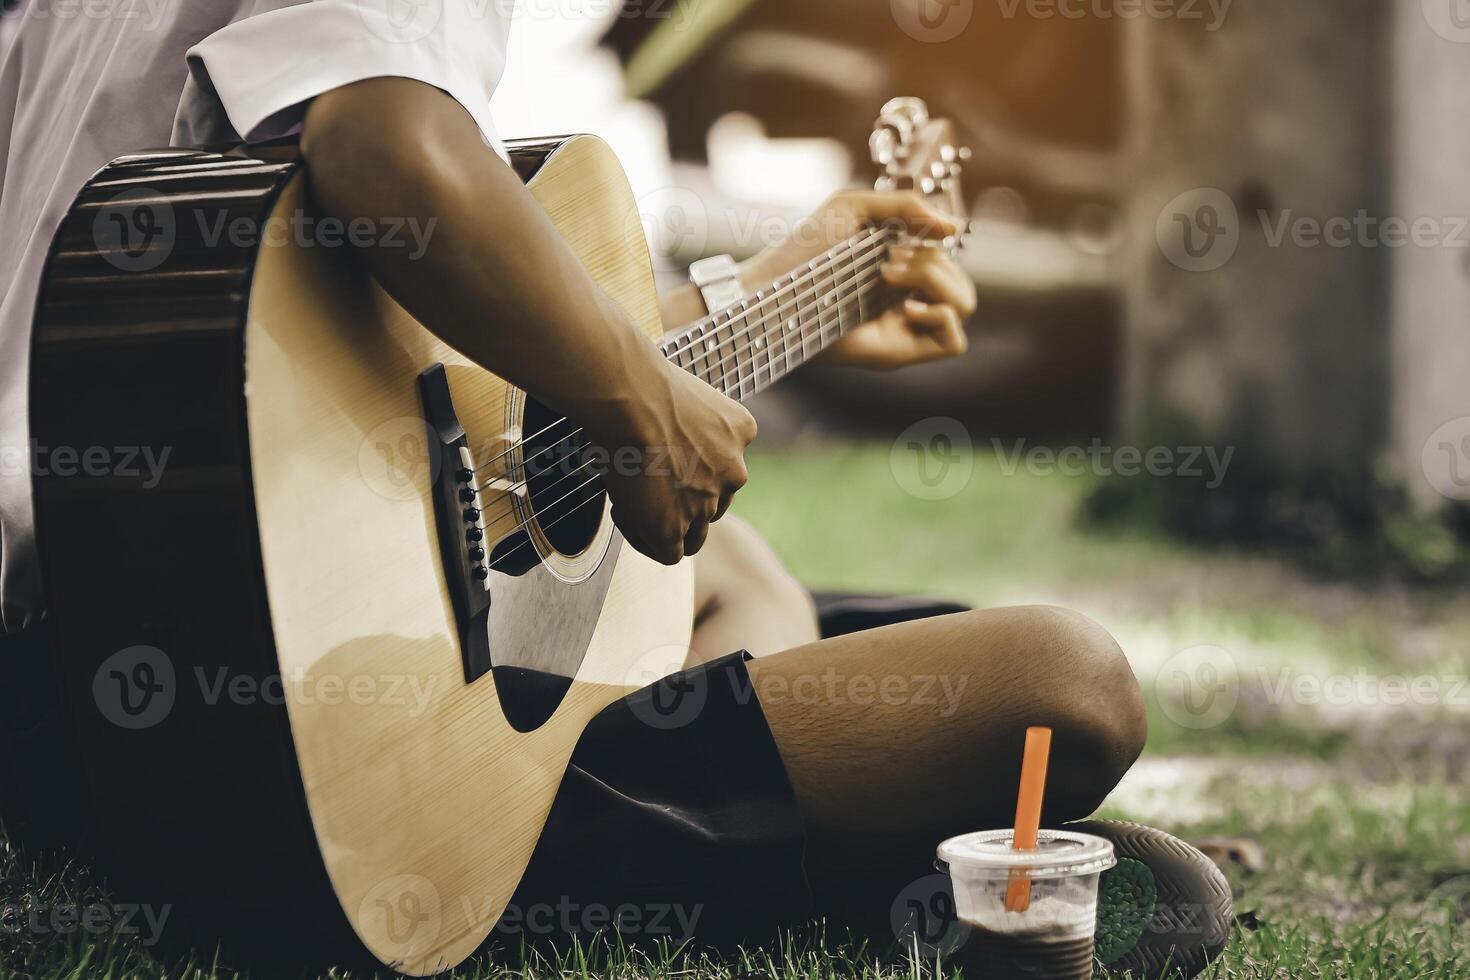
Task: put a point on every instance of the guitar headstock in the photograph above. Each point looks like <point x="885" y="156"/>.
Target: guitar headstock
<point x="921" y="154"/>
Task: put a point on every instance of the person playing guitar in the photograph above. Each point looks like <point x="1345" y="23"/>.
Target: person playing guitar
<point x="771" y="806"/>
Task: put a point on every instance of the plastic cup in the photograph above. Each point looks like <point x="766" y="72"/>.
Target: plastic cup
<point x="1053" y="938"/>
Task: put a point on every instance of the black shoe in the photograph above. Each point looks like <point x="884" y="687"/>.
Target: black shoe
<point x="1165" y="910"/>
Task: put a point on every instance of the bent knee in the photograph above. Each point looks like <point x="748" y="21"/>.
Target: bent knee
<point x="1100" y="707"/>
<point x="1082" y="687"/>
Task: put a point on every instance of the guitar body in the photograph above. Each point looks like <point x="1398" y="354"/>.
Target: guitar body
<point x="266" y="640"/>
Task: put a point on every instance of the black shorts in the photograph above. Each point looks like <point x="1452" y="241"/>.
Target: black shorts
<point x="675" y="818"/>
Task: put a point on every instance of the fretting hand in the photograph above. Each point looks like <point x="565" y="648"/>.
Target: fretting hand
<point x="929" y="324"/>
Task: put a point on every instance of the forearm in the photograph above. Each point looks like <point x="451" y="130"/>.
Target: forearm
<point x="496" y="281"/>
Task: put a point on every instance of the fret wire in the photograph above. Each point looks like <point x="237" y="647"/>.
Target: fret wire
<point x="701" y="352"/>
<point x="700" y="334"/>
<point x="712" y="343"/>
<point x="816" y="325"/>
<point x="757" y="301"/>
<point x="709" y="342"/>
<point x="724" y="332"/>
<point x="805" y="295"/>
<point x="862" y="291"/>
<point x="764" y="339"/>
<point x="800" y="332"/>
<point x="834" y="299"/>
<point x="716" y="341"/>
<point x="823" y="306"/>
<point x="817" y="299"/>
<point x="785" y="327"/>
<point x="820" y="321"/>
<point x="817" y="274"/>
<point x="827" y="258"/>
<point x="735" y="372"/>
<point x="738" y="360"/>
<point x="740" y="382"/>
<point x="864" y="275"/>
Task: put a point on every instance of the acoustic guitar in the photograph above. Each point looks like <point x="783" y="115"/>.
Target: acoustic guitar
<point x="330" y="657"/>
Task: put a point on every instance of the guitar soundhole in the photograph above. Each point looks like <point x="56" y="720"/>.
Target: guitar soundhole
<point x="561" y="480"/>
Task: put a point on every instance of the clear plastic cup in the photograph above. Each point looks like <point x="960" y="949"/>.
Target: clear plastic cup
<point x="1053" y="938"/>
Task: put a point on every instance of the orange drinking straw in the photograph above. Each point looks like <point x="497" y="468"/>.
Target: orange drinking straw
<point x="1028" y="812"/>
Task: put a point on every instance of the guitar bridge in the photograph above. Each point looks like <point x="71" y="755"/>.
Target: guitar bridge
<point x="459" y="514"/>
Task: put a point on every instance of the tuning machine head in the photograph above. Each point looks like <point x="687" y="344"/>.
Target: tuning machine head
<point x="919" y="153"/>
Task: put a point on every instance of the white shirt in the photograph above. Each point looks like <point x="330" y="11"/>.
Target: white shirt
<point x="85" y="81"/>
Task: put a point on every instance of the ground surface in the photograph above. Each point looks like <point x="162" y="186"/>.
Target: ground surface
<point x="1328" y="721"/>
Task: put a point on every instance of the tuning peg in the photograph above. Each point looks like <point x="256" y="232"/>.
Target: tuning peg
<point x="884" y="146"/>
<point x="912" y="110"/>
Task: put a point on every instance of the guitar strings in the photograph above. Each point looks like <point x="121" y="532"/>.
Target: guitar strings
<point x="579" y="507"/>
<point x="815" y="267"/>
<point x="822" y="327"/>
<point x="851" y="275"/>
<point x="572" y="513"/>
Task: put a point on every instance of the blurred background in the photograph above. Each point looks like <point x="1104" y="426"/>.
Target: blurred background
<point x="1217" y="396"/>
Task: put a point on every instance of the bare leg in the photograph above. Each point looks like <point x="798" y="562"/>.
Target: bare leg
<point x="745" y="599"/>
<point x="896" y="738"/>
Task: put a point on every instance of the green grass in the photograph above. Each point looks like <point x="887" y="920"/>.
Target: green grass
<point x="1362" y="810"/>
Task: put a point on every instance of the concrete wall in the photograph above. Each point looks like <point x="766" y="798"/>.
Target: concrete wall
<point x="1277" y="349"/>
<point x="1430" y="132"/>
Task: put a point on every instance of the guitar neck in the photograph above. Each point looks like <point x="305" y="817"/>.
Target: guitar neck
<point x="747" y="348"/>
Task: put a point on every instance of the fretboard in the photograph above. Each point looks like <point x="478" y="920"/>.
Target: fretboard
<point x="764" y="337"/>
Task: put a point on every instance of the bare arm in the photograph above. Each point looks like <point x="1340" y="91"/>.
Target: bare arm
<point x="497" y="282"/>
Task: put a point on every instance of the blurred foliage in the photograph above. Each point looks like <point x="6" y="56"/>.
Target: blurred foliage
<point x="1362" y="526"/>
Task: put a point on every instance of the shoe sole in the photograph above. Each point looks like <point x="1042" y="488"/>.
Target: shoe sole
<point x="1193" y="908"/>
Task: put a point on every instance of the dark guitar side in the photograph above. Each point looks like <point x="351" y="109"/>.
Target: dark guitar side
<point x="157" y="594"/>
